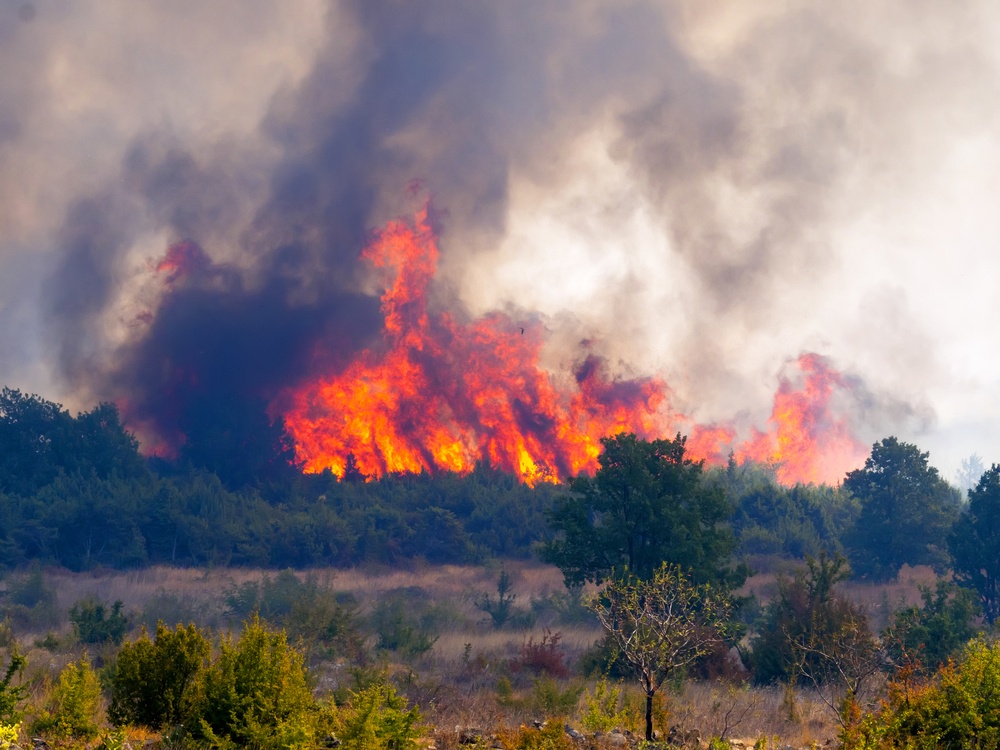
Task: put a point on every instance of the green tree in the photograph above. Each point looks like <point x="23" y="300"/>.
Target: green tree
<point x="930" y="634"/>
<point x="255" y="694"/>
<point x="975" y="543"/>
<point x="646" y="504"/>
<point x="907" y="511"/>
<point x="802" y="624"/>
<point x="153" y="681"/>
<point x="661" y="625"/>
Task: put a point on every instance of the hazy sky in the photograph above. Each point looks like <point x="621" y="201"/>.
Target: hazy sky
<point x="702" y="189"/>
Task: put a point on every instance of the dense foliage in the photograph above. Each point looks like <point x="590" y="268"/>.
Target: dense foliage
<point x="956" y="708"/>
<point x="646" y="505"/>
<point x="806" y="625"/>
<point x="975" y="543"/>
<point x="907" y="511"/>
<point x="74" y="491"/>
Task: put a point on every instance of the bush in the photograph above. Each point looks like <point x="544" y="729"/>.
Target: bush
<point x="803" y="625"/>
<point x="31" y="602"/>
<point x="74" y="709"/>
<point x="397" y="630"/>
<point x="93" y="624"/>
<point x="9" y="734"/>
<point x="325" y="621"/>
<point x="255" y="693"/>
<point x="153" y="680"/>
<point x="11" y="695"/>
<point x="604" y="709"/>
<point x="957" y="708"/>
<point x="932" y="633"/>
<point x="377" y="719"/>
<point x="544" y="657"/>
<point x="551" y="736"/>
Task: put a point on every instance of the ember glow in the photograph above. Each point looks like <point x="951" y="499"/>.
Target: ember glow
<point x="442" y="394"/>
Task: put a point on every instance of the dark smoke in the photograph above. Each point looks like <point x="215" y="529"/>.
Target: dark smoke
<point x="469" y="98"/>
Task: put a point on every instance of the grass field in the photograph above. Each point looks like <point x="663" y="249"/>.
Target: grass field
<point x="469" y="675"/>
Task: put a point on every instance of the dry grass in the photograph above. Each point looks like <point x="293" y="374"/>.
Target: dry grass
<point x="456" y="682"/>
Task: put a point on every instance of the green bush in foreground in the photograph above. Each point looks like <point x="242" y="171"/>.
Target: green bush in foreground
<point x="75" y="703"/>
<point x="377" y="719"/>
<point x="958" y="708"/>
<point x="154" y="680"/>
<point x="255" y="694"/>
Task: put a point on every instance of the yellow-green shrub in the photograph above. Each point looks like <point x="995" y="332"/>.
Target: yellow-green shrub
<point x="958" y="707"/>
<point x="74" y="705"/>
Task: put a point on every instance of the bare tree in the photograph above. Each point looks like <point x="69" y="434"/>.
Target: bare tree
<point x="844" y="668"/>
<point x="661" y="625"/>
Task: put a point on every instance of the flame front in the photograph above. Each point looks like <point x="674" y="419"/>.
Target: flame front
<point x="806" y="440"/>
<point x="443" y="395"/>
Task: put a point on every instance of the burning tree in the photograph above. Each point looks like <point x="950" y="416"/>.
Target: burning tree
<point x="661" y="625"/>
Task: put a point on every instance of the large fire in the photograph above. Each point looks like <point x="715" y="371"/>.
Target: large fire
<point x="441" y="394"/>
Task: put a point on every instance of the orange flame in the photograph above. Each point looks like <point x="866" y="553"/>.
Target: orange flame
<point x="443" y="395"/>
<point x="806" y="441"/>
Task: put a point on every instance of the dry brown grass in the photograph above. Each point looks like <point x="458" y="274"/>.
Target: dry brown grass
<point x="456" y="682"/>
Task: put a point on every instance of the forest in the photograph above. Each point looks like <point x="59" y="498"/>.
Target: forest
<point x="681" y="595"/>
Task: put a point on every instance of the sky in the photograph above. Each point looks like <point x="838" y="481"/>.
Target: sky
<point x="700" y="191"/>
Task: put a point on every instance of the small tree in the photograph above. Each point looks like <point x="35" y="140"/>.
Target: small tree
<point x="378" y="718"/>
<point x="255" y="693"/>
<point x="661" y="625"/>
<point x="75" y="703"/>
<point x="502" y="609"/>
<point x="153" y="679"/>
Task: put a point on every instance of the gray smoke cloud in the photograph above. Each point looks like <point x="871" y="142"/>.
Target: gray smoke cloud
<point x="702" y="191"/>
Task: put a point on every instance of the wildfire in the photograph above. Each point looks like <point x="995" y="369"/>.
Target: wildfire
<point x="442" y="394"/>
<point x="806" y="440"/>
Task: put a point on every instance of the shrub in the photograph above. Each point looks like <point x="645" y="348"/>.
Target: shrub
<point x="11" y="695"/>
<point x="550" y="736"/>
<point x="375" y="718"/>
<point x="802" y="626"/>
<point x="933" y="632"/>
<point x="603" y="708"/>
<point x="93" y="624"/>
<point x="325" y="621"/>
<point x="74" y="707"/>
<point x="9" y="734"/>
<point x="551" y="700"/>
<point x="153" y="680"/>
<point x="544" y="657"/>
<point x="956" y="708"/>
<point x="397" y="631"/>
<point x="31" y="602"/>
<point x="255" y="693"/>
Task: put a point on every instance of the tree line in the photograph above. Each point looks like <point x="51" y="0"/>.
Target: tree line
<point x="75" y="491"/>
